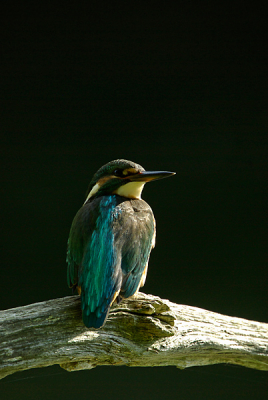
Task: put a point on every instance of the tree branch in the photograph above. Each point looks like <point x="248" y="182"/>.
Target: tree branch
<point x="145" y="331"/>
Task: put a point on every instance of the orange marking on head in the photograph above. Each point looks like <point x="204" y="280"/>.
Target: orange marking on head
<point x="104" y="180"/>
<point x="130" y="171"/>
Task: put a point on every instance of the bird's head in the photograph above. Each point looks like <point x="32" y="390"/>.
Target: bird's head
<point x="122" y="177"/>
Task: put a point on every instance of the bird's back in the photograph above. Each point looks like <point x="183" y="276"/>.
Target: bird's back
<point x="108" y="250"/>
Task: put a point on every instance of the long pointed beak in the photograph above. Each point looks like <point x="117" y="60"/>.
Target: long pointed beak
<point x="148" y="176"/>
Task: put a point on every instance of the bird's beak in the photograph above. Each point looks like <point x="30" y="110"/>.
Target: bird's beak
<point x="147" y="176"/>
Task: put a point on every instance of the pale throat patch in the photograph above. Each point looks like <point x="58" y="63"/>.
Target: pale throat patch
<point x="93" y="191"/>
<point x="132" y="190"/>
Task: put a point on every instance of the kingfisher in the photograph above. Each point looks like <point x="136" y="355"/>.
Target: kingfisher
<point x="111" y="239"/>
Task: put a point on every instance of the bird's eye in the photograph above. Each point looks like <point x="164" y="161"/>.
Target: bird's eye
<point x="118" y="172"/>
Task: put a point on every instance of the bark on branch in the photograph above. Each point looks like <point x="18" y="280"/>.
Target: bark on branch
<point x="145" y="331"/>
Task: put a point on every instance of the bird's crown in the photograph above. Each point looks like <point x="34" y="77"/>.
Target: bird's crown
<point x="117" y="168"/>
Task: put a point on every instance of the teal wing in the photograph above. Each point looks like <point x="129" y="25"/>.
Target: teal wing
<point x="93" y="263"/>
<point x="81" y="231"/>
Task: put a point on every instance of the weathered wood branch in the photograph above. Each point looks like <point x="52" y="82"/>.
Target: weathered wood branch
<point x="145" y="331"/>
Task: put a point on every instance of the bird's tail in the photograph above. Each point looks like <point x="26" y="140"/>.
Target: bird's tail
<point x="95" y="319"/>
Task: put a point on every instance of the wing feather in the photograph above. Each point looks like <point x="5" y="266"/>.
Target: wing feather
<point x="93" y="263"/>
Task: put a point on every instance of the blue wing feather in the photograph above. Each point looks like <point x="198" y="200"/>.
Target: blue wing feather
<point x="93" y="263"/>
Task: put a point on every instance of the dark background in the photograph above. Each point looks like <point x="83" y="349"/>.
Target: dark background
<point x="172" y="88"/>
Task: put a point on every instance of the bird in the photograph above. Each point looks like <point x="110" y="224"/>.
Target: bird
<point x="111" y="238"/>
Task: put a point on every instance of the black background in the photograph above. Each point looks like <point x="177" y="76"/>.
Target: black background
<point x="180" y="88"/>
